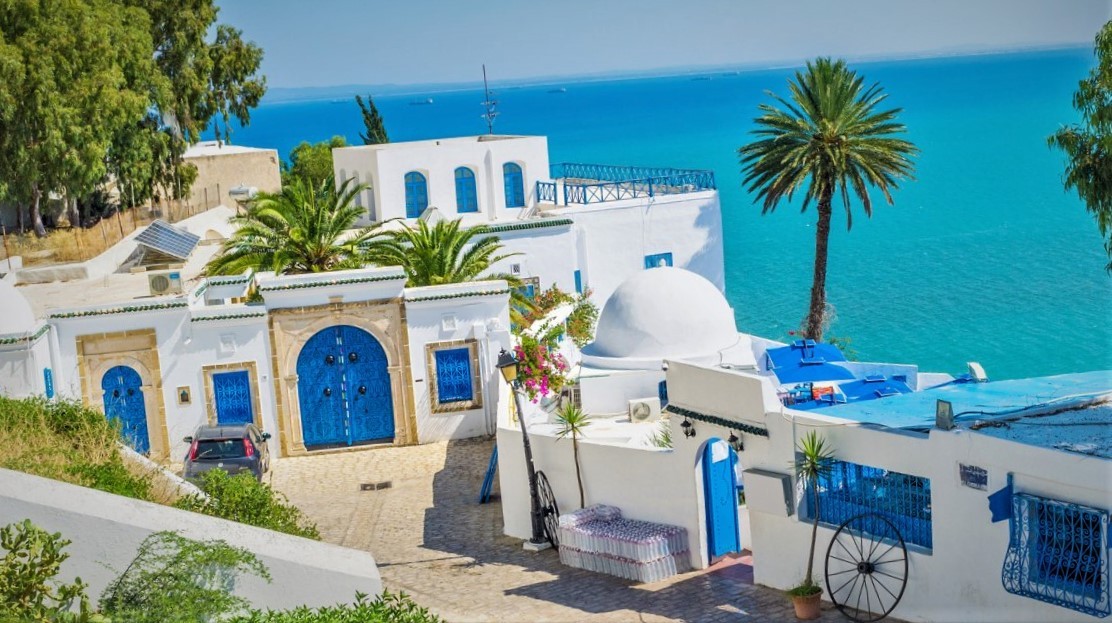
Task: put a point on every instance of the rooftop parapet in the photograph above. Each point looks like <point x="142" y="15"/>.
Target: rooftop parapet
<point x="578" y="183"/>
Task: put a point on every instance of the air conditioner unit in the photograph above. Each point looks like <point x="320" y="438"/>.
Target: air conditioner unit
<point x="644" y="409"/>
<point x="164" y="283"/>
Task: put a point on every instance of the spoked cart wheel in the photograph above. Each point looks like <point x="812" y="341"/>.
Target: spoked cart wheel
<point x="866" y="568"/>
<point x="550" y="512"/>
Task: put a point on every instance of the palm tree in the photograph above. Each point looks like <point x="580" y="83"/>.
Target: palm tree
<point x="814" y="461"/>
<point x="572" y="420"/>
<point x="831" y="138"/>
<point x="302" y="229"/>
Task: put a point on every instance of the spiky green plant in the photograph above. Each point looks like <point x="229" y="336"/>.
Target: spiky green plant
<point x="828" y="138"/>
<point x="572" y="420"/>
<point x="814" y="461"/>
<point x="302" y="229"/>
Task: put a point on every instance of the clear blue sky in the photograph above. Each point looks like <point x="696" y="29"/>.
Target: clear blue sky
<point x="332" y="42"/>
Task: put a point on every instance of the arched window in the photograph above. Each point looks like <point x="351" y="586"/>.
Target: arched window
<point x="416" y="194"/>
<point x="466" y="198"/>
<point x="515" y="185"/>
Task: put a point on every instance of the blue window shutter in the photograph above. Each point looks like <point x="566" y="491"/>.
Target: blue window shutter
<point x="578" y="282"/>
<point x="515" y="185"/>
<point x="467" y="199"/>
<point x="416" y="194"/>
<point x="658" y="259"/>
<point x="453" y="375"/>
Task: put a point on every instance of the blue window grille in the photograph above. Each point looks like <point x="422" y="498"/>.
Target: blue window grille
<point x="515" y="185"/>
<point x="851" y="489"/>
<point x="416" y="194"/>
<point x="467" y="200"/>
<point x="1058" y="553"/>
<point x="657" y="260"/>
<point x="578" y="282"/>
<point x="662" y="392"/>
<point x="453" y="375"/>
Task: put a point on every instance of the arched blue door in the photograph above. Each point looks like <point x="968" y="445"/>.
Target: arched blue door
<point x="515" y="185"/>
<point x="416" y="194"/>
<point x="344" y="389"/>
<point x="720" y="498"/>
<point x="123" y="402"/>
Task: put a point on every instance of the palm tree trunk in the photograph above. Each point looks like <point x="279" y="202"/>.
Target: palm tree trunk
<point x="817" y="312"/>
<point x="578" y="475"/>
<point x="814" y="536"/>
<point x="36" y="212"/>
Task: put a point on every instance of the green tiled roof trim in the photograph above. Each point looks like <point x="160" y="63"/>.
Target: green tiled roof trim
<point x="458" y="295"/>
<point x="333" y="282"/>
<point x="228" y="281"/>
<point x="537" y="224"/>
<point x="720" y="421"/>
<point x="126" y="309"/>
<point x="26" y="337"/>
<point x="228" y="317"/>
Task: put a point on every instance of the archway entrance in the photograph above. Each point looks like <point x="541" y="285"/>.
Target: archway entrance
<point x="124" y="403"/>
<point x="344" y="389"/>
<point x="720" y="498"/>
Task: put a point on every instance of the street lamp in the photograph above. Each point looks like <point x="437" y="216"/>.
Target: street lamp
<point x="507" y="365"/>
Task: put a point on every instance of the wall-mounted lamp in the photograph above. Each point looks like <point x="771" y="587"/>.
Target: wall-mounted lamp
<point x="735" y="442"/>
<point x="688" y="428"/>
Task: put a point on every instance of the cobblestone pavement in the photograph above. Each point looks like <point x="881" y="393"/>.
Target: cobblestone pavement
<point x="432" y="540"/>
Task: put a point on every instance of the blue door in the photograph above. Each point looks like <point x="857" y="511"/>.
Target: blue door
<point x="123" y="403"/>
<point x="720" y="498"/>
<point x="232" y="394"/>
<point x="344" y="389"/>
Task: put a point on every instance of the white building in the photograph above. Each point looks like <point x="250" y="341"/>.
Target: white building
<point x="577" y="226"/>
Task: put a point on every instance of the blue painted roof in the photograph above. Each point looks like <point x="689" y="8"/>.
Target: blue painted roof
<point x="976" y="400"/>
<point x="806" y="361"/>
<point x="868" y="388"/>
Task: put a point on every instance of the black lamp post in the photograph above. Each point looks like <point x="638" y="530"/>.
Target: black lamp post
<point x="507" y="365"/>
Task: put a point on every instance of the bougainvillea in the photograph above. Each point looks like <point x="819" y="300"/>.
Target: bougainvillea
<point x="541" y="370"/>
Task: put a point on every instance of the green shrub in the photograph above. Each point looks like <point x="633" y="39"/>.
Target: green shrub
<point x="242" y="498"/>
<point x="32" y="558"/>
<point x="387" y="608"/>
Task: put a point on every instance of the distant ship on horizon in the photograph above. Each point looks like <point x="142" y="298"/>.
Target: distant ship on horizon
<point x="421" y="102"/>
<point x="558" y="90"/>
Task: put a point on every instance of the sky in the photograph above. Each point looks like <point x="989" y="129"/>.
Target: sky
<point x="336" y="42"/>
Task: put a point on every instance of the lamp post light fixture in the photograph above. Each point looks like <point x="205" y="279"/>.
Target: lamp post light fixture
<point x="507" y="365"/>
<point x="735" y="442"/>
<point x="688" y="428"/>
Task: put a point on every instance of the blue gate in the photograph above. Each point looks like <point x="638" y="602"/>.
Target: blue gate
<point x="232" y="395"/>
<point x="344" y="389"/>
<point x="720" y="498"/>
<point x="123" y="403"/>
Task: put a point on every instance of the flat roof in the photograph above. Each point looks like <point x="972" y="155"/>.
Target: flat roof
<point x="977" y="401"/>
<point x="215" y="148"/>
<point x="441" y="142"/>
<point x="1087" y="430"/>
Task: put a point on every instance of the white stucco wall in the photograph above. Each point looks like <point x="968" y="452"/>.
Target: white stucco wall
<point x="609" y="392"/>
<point x="548" y="253"/>
<point x="21" y="367"/>
<point x="106" y="530"/>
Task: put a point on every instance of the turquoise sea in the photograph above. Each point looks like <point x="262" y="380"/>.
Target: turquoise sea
<point x="983" y="257"/>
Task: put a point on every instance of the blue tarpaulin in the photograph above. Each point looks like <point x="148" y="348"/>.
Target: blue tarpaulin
<point x="806" y="361"/>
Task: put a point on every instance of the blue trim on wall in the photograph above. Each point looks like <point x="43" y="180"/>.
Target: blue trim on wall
<point x="579" y="282"/>
<point x="658" y="259"/>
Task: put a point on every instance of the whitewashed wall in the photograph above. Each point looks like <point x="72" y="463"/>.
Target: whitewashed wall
<point x="548" y="253"/>
<point x="609" y="392"/>
<point x="106" y="531"/>
<point x="21" y="367"/>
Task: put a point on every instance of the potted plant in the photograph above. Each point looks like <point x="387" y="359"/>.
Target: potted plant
<point x="572" y="420"/>
<point x="814" y="460"/>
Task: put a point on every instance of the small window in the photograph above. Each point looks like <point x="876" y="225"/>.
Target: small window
<point x="467" y="199"/>
<point x="578" y="282"/>
<point x="416" y="194"/>
<point x="529" y="287"/>
<point x="662" y="393"/>
<point x="453" y="375"/>
<point x="515" y="185"/>
<point x="657" y="260"/>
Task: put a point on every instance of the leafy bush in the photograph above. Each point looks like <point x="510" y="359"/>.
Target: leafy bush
<point x="178" y="580"/>
<point x="242" y="498"/>
<point x="387" y="608"/>
<point x="28" y="588"/>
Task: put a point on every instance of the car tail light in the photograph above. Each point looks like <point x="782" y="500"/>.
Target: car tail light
<point x="248" y="448"/>
<point x="193" y="450"/>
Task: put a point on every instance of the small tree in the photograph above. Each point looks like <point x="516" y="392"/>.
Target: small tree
<point x="814" y="461"/>
<point x="32" y="558"/>
<point x="312" y="162"/>
<point x="376" y="129"/>
<point x="572" y="420"/>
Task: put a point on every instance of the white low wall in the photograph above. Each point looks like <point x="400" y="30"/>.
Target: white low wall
<point x="107" y="529"/>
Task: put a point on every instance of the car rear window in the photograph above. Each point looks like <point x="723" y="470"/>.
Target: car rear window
<point x="214" y="449"/>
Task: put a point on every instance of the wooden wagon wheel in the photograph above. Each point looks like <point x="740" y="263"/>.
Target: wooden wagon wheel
<point x="866" y="568"/>
<point x="550" y="512"/>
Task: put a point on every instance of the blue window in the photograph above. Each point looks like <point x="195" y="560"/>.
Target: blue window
<point x="1058" y="553"/>
<point x="662" y="393"/>
<point x="416" y="194"/>
<point x="453" y="375"/>
<point x="515" y="185"/>
<point x="658" y="259"/>
<point x="467" y="200"/>
<point x="578" y="282"/>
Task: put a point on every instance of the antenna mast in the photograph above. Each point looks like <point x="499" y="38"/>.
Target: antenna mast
<point x="489" y="104"/>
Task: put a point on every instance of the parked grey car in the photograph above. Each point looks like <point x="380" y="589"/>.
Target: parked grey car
<point x="234" y="449"/>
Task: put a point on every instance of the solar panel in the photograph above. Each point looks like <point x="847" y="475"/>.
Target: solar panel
<point x="165" y="238"/>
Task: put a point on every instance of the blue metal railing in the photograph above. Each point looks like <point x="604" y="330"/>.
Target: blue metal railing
<point x="1058" y="553"/>
<point x="597" y="183"/>
<point x="851" y="489"/>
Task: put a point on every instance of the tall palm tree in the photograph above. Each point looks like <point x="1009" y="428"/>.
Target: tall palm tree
<point x="830" y="137"/>
<point x="302" y="229"/>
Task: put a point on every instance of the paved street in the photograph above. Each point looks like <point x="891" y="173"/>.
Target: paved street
<point x="432" y="540"/>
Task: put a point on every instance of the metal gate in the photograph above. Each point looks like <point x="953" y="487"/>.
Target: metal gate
<point x="123" y="403"/>
<point x="720" y="498"/>
<point x="344" y="389"/>
<point x="232" y="395"/>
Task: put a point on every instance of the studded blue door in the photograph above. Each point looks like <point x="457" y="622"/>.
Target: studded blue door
<point x="344" y="389"/>
<point x="720" y="498"/>
<point x="123" y="402"/>
<point x="232" y="394"/>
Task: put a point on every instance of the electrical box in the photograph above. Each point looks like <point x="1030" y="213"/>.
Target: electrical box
<point x="768" y="492"/>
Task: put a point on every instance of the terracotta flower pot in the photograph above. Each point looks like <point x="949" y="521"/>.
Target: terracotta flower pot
<point x="807" y="607"/>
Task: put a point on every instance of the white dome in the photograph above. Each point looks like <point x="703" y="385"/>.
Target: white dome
<point x="662" y="313"/>
<point x="16" y="315"/>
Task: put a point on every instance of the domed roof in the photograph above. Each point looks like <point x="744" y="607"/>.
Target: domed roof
<point x="662" y="313"/>
<point x="16" y="315"/>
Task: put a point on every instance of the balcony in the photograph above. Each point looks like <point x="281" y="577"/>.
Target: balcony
<point x="582" y="184"/>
